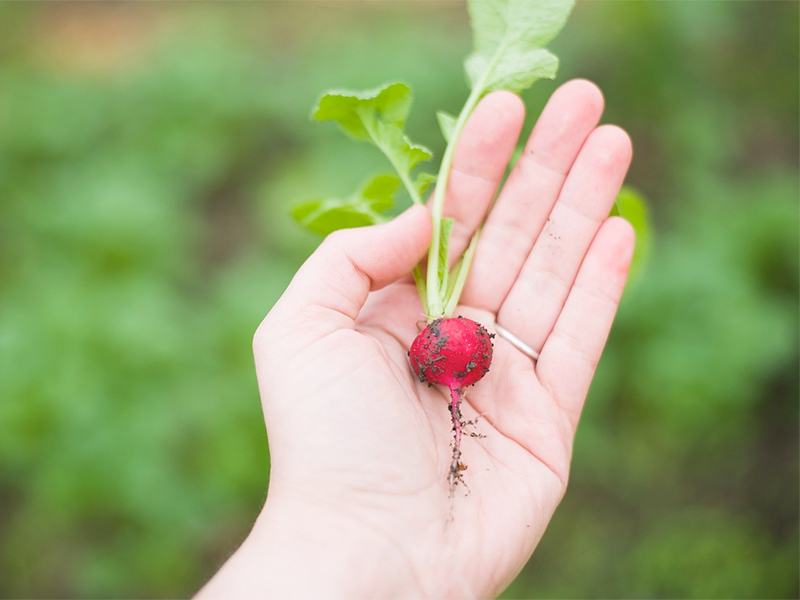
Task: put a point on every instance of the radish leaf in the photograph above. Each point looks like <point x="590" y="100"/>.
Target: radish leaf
<point x="364" y="207"/>
<point x="447" y="123"/>
<point x="631" y="205"/>
<point x="458" y="275"/>
<point x="509" y="38"/>
<point x="424" y="181"/>
<point x="378" y="116"/>
<point x="509" y="53"/>
<point x="444" y="247"/>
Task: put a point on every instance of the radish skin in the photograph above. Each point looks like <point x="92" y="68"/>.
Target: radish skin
<point x="455" y="352"/>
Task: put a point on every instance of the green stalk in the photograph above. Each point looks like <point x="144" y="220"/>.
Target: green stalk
<point x="419" y="279"/>
<point x="435" y="300"/>
<point x="461" y="276"/>
<point x="410" y="188"/>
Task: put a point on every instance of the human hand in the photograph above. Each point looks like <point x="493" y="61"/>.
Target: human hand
<point x="359" y="502"/>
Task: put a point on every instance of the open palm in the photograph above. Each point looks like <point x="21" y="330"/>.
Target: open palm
<point x="360" y="449"/>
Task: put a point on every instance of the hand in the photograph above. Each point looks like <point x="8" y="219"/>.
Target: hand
<point x="358" y="501"/>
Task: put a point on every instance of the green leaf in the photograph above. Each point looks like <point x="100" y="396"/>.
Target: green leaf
<point x="419" y="279"/>
<point x="377" y="116"/>
<point x="380" y="191"/>
<point x="516" y="74"/>
<point x="324" y="216"/>
<point x="632" y="206"/>
<point x="389" y="104"/>
<point x="364" y="207"/>
<point x="509" y="39"/>
<point x="447" y="123"/>
<point x="444" y="247"/>
<point x="424" y="181"/>
<point x="458" y="275"/>
<point x="409" y="154"/>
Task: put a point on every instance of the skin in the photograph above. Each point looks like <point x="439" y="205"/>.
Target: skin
<point x="358" y="502"/>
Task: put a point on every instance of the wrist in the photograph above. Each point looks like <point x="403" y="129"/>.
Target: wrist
<point x="300" y="549"/>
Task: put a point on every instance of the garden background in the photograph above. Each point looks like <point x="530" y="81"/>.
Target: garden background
<point x="148" y="156"/>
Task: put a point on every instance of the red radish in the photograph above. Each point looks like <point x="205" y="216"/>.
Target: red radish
<point x="455" y="352"/>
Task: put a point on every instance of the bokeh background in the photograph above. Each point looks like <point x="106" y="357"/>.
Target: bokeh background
<point x="148" y="156"/>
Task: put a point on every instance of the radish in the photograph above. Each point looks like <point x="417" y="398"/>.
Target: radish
<point x="455" y="352"/>
<point x="510" y="38"/>
<point x="452" y="352"/>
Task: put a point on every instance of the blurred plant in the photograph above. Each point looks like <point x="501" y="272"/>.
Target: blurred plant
<point x="143" y="235"/>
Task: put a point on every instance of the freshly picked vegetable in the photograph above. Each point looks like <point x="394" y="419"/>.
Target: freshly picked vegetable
<point x="510" y="39"/>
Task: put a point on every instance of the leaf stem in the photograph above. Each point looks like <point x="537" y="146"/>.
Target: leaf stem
<point x="461" y="276"/>
<point x="409" y="185"/>
<point x="419" y="279"/>
<point x="412" y="190"/>
<point x="435" y="301"/>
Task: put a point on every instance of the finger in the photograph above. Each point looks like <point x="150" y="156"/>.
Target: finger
<point x="479" y="162"/>
<point x="535" y="300"/>
<point x="570" y="356"/>
<point x="530" y="192"/>
<point x="333" y="284"/>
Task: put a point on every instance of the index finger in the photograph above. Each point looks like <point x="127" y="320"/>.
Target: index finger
<point x="479" y="163"/>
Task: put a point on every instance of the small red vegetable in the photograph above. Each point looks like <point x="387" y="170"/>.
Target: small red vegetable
<point x="455" y="352"/>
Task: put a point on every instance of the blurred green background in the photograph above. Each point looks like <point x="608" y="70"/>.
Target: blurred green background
<point x="148" y="156"/>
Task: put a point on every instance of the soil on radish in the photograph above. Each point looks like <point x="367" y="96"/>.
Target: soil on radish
<point x="455" y="352"/>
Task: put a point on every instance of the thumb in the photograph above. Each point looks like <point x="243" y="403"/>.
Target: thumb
<point x="336" y="279"/>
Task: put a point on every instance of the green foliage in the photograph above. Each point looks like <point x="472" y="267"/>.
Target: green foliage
<point x="365" y="207"/>
<point x="444" y="247"/>
<point x="632" y="207"/>
<point x="510" y="38"/>
<point x="379" y="116"/>
<point x="447" y="123"/>
<point x="709" y="547"/>
<point x="144" y="232"/>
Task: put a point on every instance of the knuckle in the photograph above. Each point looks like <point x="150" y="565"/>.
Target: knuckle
<point x="336" y="240"/>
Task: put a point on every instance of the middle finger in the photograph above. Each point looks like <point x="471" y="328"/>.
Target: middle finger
<point x="538" y="295"/>
<point x="530" y="192"/>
